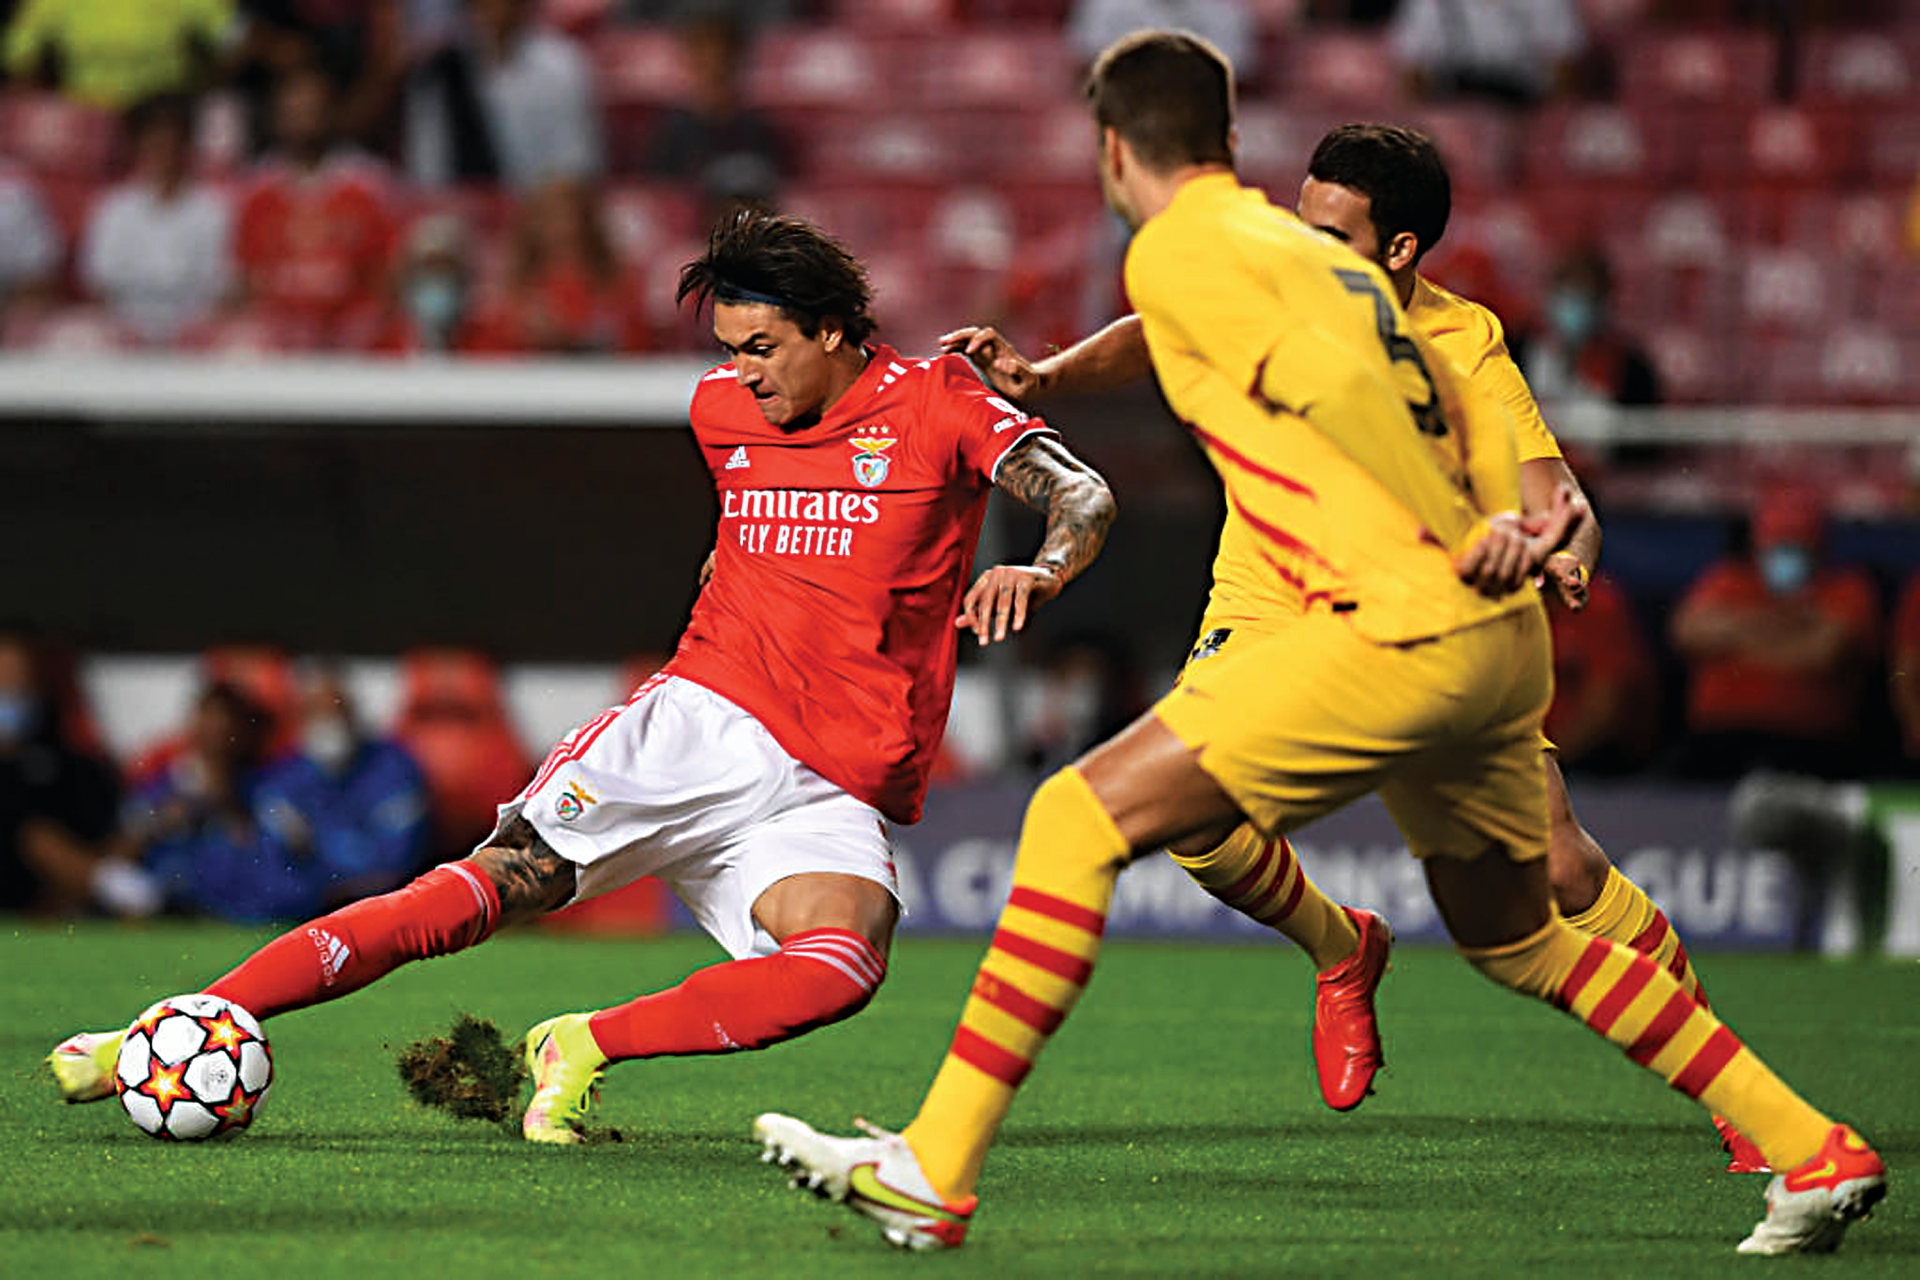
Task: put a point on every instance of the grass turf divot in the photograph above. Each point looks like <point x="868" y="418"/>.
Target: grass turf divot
<point x="471" y="1072"/>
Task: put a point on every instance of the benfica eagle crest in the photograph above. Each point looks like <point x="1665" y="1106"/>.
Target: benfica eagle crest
<point x="870" y="458"/>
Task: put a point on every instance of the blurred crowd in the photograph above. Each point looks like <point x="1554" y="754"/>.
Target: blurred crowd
<point x="275" y="797"/>
<point x="491" y="177"/>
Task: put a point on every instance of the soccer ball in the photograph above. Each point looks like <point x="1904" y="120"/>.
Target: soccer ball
<point x="193" y="1067"/>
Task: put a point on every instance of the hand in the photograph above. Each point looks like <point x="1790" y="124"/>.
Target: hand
<point x="1515" y="549"/>
<point x="1569" y="579"/>
<point x="1002" y="596"/>
<point x="706" y="568"/>
<point x="1006" y="370"/>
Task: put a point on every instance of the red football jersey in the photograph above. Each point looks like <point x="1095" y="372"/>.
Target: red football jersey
<point x="842" y="554"/>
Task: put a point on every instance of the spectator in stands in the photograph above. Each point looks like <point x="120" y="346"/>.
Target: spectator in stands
<point x="30" y="247"/>
<point x="731" y="151"/>
<point x="435" y="307"/>
<point x="361" y="45"/>
<point x="346" y="813"/>
<point x="156" y="248"/>
<point x="565" y="292"/>
<point x="191" y="825"/>
<point x="116" y="53"/>
<point x="1605" y="716"/>
<point x="58" y="802"/>
<point x="1581" y="354"/>
<point x="506" y="97"/>
<point x="1903" y="670"/>
<point x="1781" y="648"/>
<point x="1229" y="25"/>
<point x="1511" y="51"/>
<point x="315" y="225"/>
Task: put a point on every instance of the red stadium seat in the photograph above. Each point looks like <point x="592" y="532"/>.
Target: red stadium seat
<point x="1276" y="142"/>
<point x="1480" y="143"/>
<point x="1686" y="229"/>
<point x="1781" y="145"/>
<point x="1786" y="288"/>
<point x="265" y="674"/>
<point x="1337" y="70"/>
<point x="1870" y="68"/>
<point x="1864" y="364"/>
<point x="1604" y="145"/>
<point x="1892" y="147"/>
<point x="254" y="333"/>
<point x="918" y="16"/>
<point x="645" y="65"/>
<point x="830" y="67"/>
<point x="972" y="227"/>
<point x="1708" y="65"/>
<point x="56" y="136"/>
<point x="865" y="216"/>
<point x="1003" y="67"/>
<point x="1693" y="369"/>
<point x="453" y="719"/>
<point x="643" y="218"/>
<point x="867" y="147"/>
<point x="69" y="331"/>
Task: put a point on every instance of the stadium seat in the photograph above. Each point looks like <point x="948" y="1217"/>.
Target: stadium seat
<point x="250" y="334"/>
<point x="1868" y="68"/>
<point x="83" y="330"/>
<point x="56" y="136"/>
<point x="1598" y="144"/>
<point x="1786" y="288"/>
<point x="262" y="672"/>
<point x="1339" y="70"/>
<point x="453" y="719"/>
<point x="645" y="65"/>
<point x="1708" y="65"/>
<point x="830" y="67"/>
<point x="1693" y="369"/>
<point x="1892" y="148"/>
<point x="642" y="218"/>
<point x="998" y="68"/>
<point x="1776" y="144"/>
<point x="863" y="146"/>
<point x="1276" y="141"/>
<point x="917" y="16"/>
<point x="1861" y="363"/>
<point x="1479" y="143"/>
<point x="1686" y="229"/>
<point x="972" y="227"/>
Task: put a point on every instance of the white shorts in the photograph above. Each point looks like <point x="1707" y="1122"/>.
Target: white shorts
<point x="683" y="785"/>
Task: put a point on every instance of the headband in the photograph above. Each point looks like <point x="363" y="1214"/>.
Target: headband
<point x="726" y="291"/>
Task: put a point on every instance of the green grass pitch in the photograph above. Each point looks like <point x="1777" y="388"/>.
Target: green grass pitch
<point x="1173" y="1128"/>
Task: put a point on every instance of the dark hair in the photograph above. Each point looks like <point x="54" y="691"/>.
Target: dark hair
<point x="1398" y="170"/>
<point x="175" y="110"/>
<point x="755" y="255"/>
<point x="1169" y="94"/>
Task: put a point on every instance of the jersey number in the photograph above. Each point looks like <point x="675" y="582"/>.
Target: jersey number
<point x="1400" y="349"/>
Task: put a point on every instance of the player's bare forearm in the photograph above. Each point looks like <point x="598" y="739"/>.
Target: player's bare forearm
<point x="1101" y="361"/>
<point x="1079" y="507"/>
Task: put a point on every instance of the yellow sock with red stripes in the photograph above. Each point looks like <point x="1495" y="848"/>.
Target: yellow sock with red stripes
<point x="1038" y="963"/>
<point x="1641" y="1007"/>
<point x="1262" y="878"/>
<point x="1623" y="913"/>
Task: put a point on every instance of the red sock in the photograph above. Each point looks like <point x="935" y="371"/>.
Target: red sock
<point x="816" y="978"/>
<point x="449" y="908"/>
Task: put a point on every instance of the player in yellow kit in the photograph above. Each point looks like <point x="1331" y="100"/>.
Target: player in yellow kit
<point x="1419" y="666"/>
<point x="1384" y="191"/>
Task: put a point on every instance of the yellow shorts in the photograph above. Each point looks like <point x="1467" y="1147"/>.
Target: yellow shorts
<point x="1306" y="717"/>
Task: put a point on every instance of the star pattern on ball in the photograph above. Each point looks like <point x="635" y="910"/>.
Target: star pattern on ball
<point x="237" y="1112"/>
<point x="223" y="1032"/>
<point x="164" y="1084"/>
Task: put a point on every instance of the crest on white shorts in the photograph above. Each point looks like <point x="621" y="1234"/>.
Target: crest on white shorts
<point x="870" y="462"/>
<point x="573" y="802"/>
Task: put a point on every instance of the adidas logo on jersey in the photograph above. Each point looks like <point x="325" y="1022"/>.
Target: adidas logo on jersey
<point x="738" y="459"/>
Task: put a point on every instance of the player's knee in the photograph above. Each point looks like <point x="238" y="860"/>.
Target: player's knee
<point x="1062" y="806"/>
<point x="529" y="876"/>
<point x="1533" y="967"/>
<point x="1577" y="867"/>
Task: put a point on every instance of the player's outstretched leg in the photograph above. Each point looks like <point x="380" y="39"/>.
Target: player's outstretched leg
<point x="1596" y="899"/>
<point x="818" y="977"/>
<point x="920" y="1188"/>
<point x="1832" y="1177"/>
<point x="448" y="909"/>
<point x="1262" y="878"/>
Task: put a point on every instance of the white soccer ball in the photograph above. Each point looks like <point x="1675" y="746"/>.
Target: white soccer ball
<point x="193" y="1067"/>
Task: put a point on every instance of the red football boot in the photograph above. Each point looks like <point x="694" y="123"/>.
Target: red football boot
<point x="1346" y="1034"/>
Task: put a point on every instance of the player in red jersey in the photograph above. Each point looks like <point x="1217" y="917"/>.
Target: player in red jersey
<point x="755" y="774"/>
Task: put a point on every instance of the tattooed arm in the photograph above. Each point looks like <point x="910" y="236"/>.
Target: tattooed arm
<point x="1042" y="473"/>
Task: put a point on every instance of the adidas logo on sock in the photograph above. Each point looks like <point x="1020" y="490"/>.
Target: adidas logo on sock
<point x="738" y="459"/>
<point x="334" y="954"/>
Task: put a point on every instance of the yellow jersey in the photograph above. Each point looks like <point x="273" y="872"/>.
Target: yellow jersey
<point x="1356" y="461"/>
<point x="1471" y="337"/>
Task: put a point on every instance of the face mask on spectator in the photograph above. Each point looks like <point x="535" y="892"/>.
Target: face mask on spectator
<point x="433" y="300"/>
<point x="18" y="716"/>
<point x="1574" y="314"/>
<point x="328" y="742"/>
<point x="1786" y="568"/>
